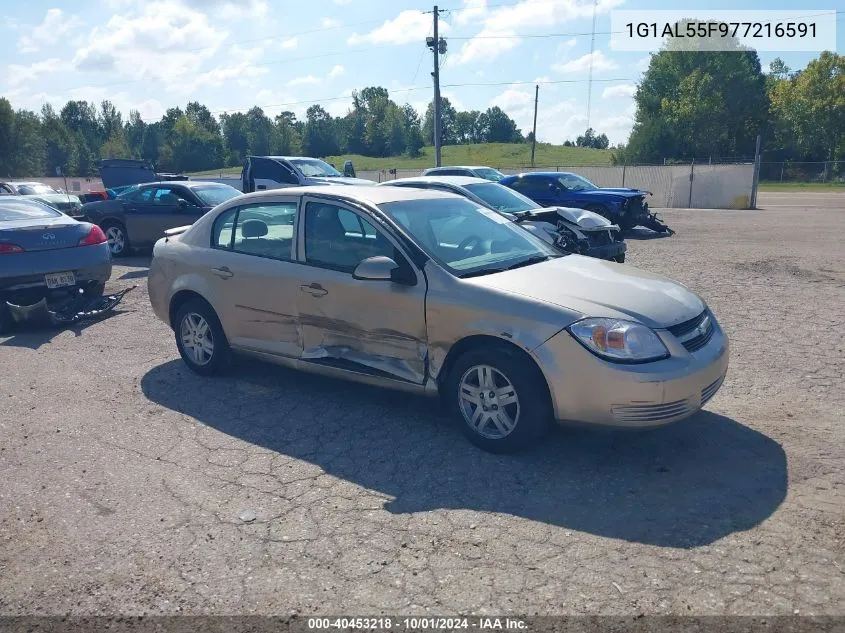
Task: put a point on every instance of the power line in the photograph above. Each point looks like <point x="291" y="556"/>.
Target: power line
<point x="415" y="88"/>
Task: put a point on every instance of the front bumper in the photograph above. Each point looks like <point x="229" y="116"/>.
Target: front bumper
<point x="585" y="388"/>
<point x="611" y="251"/>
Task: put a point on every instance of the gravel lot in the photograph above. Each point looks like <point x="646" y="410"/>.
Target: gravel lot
<point x="132" y="486"/>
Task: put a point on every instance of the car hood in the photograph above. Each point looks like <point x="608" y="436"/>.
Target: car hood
<point x="619" y="193"/>
<point x="599" y="288"/>
<point x="55" y="198"/>
<point x="583" y="218"/>
<point x="339" y="180"/>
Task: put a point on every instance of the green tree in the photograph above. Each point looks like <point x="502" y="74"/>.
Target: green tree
<point x="500" y="128"/>
<point x="809" y="109"/>
<point x="235" y="137"/>
<point x="260" y="128"/>
<point x="448" y="116"/>
<point x="28" y="156"/>
<point x="59" y="142"/>
<point x="133" y="131"/>
<point x="7" y="132"/>
<point x="413" y="131"/>
<point x="699" y="103"/>
<point x="287" y="139"/>
<point x="319" y="138"/>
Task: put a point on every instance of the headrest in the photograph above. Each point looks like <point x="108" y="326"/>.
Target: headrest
<point x="254" y="228"/>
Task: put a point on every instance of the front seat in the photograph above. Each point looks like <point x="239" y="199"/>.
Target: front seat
<point x="326" y="241"/>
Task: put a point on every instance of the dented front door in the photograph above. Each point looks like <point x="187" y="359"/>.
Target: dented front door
<point x="362" y="325"/>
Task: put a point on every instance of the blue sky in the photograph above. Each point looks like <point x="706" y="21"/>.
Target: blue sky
<point x="230" y="55"/>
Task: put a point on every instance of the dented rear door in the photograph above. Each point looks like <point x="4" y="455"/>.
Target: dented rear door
<point x="377" y="327"/>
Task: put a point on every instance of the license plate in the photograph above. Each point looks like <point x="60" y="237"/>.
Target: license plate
<point x="60" y="280"/>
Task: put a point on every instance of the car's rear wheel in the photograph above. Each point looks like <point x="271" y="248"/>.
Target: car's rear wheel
<point x="200" y="338"/>
<point x="499" y="399"/>
<point x="118" y="238"/>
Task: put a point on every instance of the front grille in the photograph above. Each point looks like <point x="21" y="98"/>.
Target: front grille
<point x="599" y="238"/>
<point x="654" y="412"/>
<point x="635" y="207"/>
<point x="695" y="333"/>
<point x="710" y="390"/>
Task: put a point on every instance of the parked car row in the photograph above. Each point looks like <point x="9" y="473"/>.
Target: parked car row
<point x="453" y="286"/>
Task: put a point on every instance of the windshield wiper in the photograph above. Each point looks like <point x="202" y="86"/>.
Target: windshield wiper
<point x="521" y="216"/>
<point x="534" y="259"/>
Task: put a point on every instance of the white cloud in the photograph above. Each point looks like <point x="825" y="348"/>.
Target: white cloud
<point x="342" y="1"/>
<point x="617" y="128"/>
<point x="289" y="43"/>
<point x="643" y="63"/>
<point x="556" y="122"/>
<point x="230" y="9"/>
<point x="599" y="63"/>
<point x="621" y="90"/>
<point x="336" y="71"/>
<point x="302" y="81"/>
<point x="502" y="25"/>
<point x="473" y="10"/>
<point x="164" y="42"/>
<point x="329" y="23"/>
<point x="408" y="26"/>
<point x="55" y="27"/>
<point x="17" y="75"/>
<point x="150" y="109"/>
<point x="240" y="67"/>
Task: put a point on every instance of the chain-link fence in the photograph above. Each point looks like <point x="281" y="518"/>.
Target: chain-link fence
<point x="803" y="172"/>
<point x="702" y="186"/>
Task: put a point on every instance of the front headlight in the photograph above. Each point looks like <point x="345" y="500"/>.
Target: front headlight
<point x="619" y="340"/>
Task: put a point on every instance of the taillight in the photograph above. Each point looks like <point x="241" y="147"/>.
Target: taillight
<point x="5" y="248"/>
<point x="95" y="236"/>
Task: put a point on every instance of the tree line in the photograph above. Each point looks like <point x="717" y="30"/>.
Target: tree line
<point x="194" y="139"/>
<point x="695" y="104"/>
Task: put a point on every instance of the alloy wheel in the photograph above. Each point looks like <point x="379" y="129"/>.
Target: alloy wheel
<point x="488" y="402"/>
<point x="116" y="239"/>
<point x="197" y="339"/>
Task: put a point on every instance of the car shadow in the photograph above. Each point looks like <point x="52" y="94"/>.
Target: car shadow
<point x="641" y="233"/>
<point x="135" y="274"/>
<point x="683" y="485"/>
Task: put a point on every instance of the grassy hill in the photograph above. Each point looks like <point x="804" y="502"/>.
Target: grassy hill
<point x="492" y="154"/>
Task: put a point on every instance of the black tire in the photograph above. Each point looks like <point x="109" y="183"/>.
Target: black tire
<point x="117" y="228"/>
<point x="533" y="415"/>
<point x="219" y="356"/>
<point x="620" y="259"/>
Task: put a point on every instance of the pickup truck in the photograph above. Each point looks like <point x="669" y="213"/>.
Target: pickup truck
<point x="275" y="172"/>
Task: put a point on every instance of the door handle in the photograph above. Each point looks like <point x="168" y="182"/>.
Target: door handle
<point x="315" y="290"/>
<point x="223" y="272"/>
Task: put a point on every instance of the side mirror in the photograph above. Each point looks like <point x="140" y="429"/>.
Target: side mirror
<point x="182" y="204"/>
<point x="383" y="269"/>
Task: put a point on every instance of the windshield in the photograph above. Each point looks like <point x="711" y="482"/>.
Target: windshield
<point x="502" y="198"/>
<point x="24" y="210"/>
<point x="575" y="183"/>
<point x="314" y="167"/>
<point x="464" y="238"/>
<point x="488" y="173"/>
<point x="35" y="189"/>
<point x="121" y="192"/>
<point x="212" y="195"/>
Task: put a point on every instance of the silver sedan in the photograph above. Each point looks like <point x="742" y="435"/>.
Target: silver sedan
<point x="428" y="292"/>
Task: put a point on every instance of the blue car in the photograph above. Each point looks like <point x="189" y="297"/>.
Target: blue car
<point x="626" y="207"/>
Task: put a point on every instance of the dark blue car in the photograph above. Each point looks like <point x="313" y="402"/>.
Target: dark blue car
<point x="626" y="207"/>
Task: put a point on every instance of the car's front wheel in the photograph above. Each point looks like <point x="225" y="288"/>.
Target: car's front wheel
<point x="200" y="337"/>
<point x="117" y="238"/>
<point x="499" y="399"/>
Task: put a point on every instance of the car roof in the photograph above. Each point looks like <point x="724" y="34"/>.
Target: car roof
<point x="25" y="201"/>
<point x="460" y="167"/>
<point x="459" y="181"/>
<point x="185" y="183"/>
<point x="363" y="193"/>
<point x="18" y="183"/>
<point x="545" y="174"/>
<point x="290" y="158"/>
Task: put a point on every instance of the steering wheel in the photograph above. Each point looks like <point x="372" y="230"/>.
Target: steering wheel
<point x="470" y="239"/>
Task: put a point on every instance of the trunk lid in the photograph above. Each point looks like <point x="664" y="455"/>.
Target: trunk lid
<point x="44" y="234"/>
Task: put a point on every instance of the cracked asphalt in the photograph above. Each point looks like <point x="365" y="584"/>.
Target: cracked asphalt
<point x="132" y="486"/>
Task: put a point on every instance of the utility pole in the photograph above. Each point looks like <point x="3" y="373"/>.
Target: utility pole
<point x="755" y="177"/>
<point x="438" y="46"/>
<point x="534" y="132"/>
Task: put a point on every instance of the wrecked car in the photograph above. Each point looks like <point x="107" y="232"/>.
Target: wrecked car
<point x="47" y="259"/>
<point x="431" y="293"/>
<point x="572" y="230"/>
<point x="626" y="207"/>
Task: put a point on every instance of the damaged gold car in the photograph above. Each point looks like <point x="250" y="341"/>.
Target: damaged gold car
<point x="428" y="292"/>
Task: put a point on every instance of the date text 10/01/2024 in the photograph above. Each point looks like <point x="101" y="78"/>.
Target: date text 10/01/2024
<point x="418" y="623"/>
<point x="722" y="29"/>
